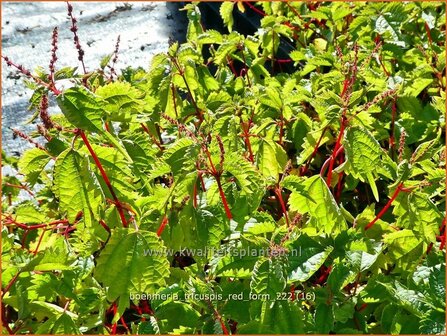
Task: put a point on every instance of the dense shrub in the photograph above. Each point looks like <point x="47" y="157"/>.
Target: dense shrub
<point x="251" y="193"/>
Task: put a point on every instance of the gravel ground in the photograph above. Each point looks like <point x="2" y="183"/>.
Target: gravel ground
<point x="145" y="29"/>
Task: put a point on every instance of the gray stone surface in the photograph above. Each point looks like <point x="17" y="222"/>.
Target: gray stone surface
<point x="144" y="27"/>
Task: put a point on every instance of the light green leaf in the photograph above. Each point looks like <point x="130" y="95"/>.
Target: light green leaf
<point x="81" y="109"/>
<point x="404" y="248"/>
<point x="125" y="267"/>
<point x="72" y="178"/>
<point x="271" y="159"/>
<point x="317" y="200"/>
<point x="307" y="263"/>
<point x="268" y="277"/>
<point x="362" y="154"/>
<point x="226" y="12"/>
<point x="31" y="164"/>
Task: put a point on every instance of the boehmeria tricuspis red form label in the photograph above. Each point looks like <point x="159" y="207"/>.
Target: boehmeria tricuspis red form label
<point x="316" y="139"/>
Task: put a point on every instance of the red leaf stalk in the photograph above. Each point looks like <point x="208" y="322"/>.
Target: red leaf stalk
<point x="114" y="326"/>
<point x="386" y="207"/>
<point x="282" y="203"/>
<point x="260" y="12"/>
<point x="182" y="74"/>
<point x="162" y="225"/>
<point x="5" y="321"/>
<point x="224" y="199"/>
<point x="314" y="152"/>
<point x="246" y="129"/>
<point x="105" y="177"/>
<point x="427" y="29"/>
<point x="336" y="148"/>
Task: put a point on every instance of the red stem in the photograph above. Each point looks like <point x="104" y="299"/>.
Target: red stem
<point x="248" y="143"/>
<point x="383" y="67"/>
<point x="23" y="187"/>
<point x="4" y="321"/>
<point x="105" y="177"/>
<point x="193" y="101"/>
<point x="230" y="64"/>
<point x="39" y="242"/>
<point x="292" y="292"/>
<point x="162" y="225"/>
<point x="202" y="183"/>
<point x="314" y="152"/>
<point x="224" y="199"/>
<point x="260" y="12"/>
<point x="11" y="282"/>
<point x="37" y="226"/>
<point x="346" y="83"/>
<point x="104" y="225"/>
<point x="283" y="205"/>
<point x="386" y="207"/>
<point x="427" y="29"/>
<point x="283" y="60"/>
<point x="335" y="152"/>
<point x="124" y="324"/>
<point x="116" y="323"/>
<point x="339" y="187"/>
<point x="324" y="275"/>
<point x="155" y="141"/>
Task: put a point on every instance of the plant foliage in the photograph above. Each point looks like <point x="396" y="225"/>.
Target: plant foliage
<point x="289" y="181"/>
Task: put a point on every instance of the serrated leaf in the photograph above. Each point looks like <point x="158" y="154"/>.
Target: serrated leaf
<point x="362" y="153"/>
<point x="279" y="318"/>
<point x="271" y="159"/>
<point x="404" y="248"/>
<point x="71" y="179"/>
<point x="268" y="277"/>
<point x="124" y="267"/>
<point x="31" y="164"/>
<point x="226" y="12"/>
<point x="317" y="200"/>
<point x="307" y="263"/>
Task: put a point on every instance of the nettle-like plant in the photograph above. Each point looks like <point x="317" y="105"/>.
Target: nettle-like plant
<point x="334" y="149"/>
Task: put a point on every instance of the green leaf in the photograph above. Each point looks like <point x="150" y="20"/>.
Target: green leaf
<point x="72" y="178"/>
<point x="404" y="248"/>
<point x="81" y="109"/>
<point x="28" y="213"/>
<point x="324" y="318"/>
<point x="271" y="159"/>
<point x="120" y="99"/>
<point x="268" y="277"/>
<point x="125" y="267"/>
<point x="362" y="153"/>
<point x="280" y="318"/>
<point x="309" y="261"/>
<point x="320" y="204"/>
<point x="226" y="12"/>
<point x="63" y="324"/>
<point x="32" y="163"/>
<point x="180" y="155"/>
<point x="417" y="212"/>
